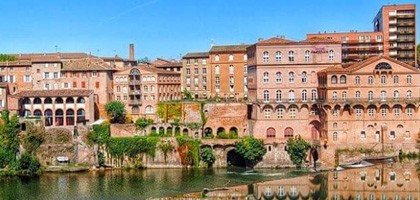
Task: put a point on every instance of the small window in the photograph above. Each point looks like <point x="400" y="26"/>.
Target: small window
<point x="265" y="77"/>
<point x="291" y="56"/>
<point x="383" y="79"/>
<point x="291" y="77"/>
<point x="216" y="58"/>
<point x="343" y="79"/>
<point x="357" y="80"/>
<point x="409" y="79"/>
<point x="278" y="56"/>
<point x="362" y="134"/>
<point x="335" y="136"/>
<point x="278" y="77"/>
<point x="331" y="55"/>
<point x="370" y="80"/>
<point x="334" y="79"/>
<point x="396" y="79"/>
<point x="307" y="55"/>
<point x="265" y="56"/>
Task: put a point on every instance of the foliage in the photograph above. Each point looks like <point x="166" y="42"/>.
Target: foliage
<point x="27" y="165"/>
<point x="131" y="147"/>
<point x="101" y="159"/>
<point x="144" y="60"/>
<point x="191" y="147"/>
<point x="297" y="150"/>
<point x="408" y="155"/>
<point x="7" y="157"/>
<point x="100" y="133"/>
<point x="193" y="125"/>
<point x="35" y="136"/>
<point x="251" y="149"/>
<point x="230" y="135"/>
<point x="169" y="111"/>
<point x="207" y="156"/>
<point x="203" y="115"/>
<point x="188" y="95"/>
<point x="5" y="57"/>
<point x="115" y="110"/>
<point x="62" y="136"/>
<point x="142" y="123"/>
<point x="9" y="130"/>
<point x="166" y="147"/>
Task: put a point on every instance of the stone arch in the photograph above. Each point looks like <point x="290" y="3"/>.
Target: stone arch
<point x="306" y="106"/>
<point x="265" y="107"/>
<point x="26" y="100"/>
<point x="185" y="131"/>
<point x="161" y="130"/>
<point x="59" y="117"/>
<point x="80" y="100"/>
<point x="315" y="129"/>
<point x="169" y="130"/>
<point x="48" y="100"/>
<point x="70" y="117"/>
<point x="220" y="130"/>
<point x="271" y="132"/>
<point x="288" y="132"/>
<point x="153" y="130"/>
<point x="386" y="106"/>
<point x="208" y="132"/>
<point x="234" y="159"/>
<point x="233" y="130"/>
<point x="38" y="113"/>
<point x="177" y="131"/>
<point x="59" y="100"/>
<point x="69" y="100"/>
<point x="37" y="100"/>
<point x="48" y="117"/>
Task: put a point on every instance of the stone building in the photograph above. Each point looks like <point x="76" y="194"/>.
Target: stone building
<point x="394" y="35"/>
<point x="141" y="88"/>
<point x="196" y="74"/>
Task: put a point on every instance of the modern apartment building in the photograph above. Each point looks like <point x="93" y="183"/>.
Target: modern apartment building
<point x="196" y="74"/>
<point x="394" y="35"/>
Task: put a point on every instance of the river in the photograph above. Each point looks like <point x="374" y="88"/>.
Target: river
<point x="385" y="181"/>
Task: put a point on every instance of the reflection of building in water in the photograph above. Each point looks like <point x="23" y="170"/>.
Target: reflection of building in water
<point x="390" y="181"/>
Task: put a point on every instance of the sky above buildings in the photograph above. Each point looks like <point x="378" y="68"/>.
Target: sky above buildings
<point x="169" y="28"/>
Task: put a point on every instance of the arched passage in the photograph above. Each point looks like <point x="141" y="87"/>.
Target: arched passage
<point x="208" y="133"/>
<point x="153" y="131"/>
<point x="220" y="130"/>
<point x="177" y="131"/>
<point x="185" y="131"/>
<point x="169" y="130"/>
<point x="234" y="159"/>
<point x="161" y="131"/>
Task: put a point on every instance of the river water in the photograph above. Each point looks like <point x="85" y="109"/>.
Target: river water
<point x="384" y="181"/>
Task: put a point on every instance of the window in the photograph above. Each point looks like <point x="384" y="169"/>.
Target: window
<point x="245" y="68"/>
<point x="145" y="88"/>
<point x="118" y="89"/>
<point x="358" y="111"/>
<point x="291" y="95"/>
<point x="278" y="56"/>
<point x="265" y="77"/>
<point x="343" y="79"/>
<point x="278" y="95"/>
<point x="357" y="80"/>
<point x="313" y="95"/>
<point x="291" y="56"/>
<point x="66" y="85"/>
<point x="217" y="69"/>
<point x="396" y="95"/>
<point x="204" y="61"/>
<point x="370" y="95"/>
<point x="307" y="56"/>
<point x="335" y="112"/>
<point x="304" y="77"/>
<point x="216" y="58"/>
<point x="149" y="109"/>
<point x="331" y="55"/>
<point x="334" y="79"/>
<point x="344" y="96"/>
<point x="188" y="61"/>
<point x="188" y="71"/>
<point x="217" y="80"/>
<point x="291" y="77"/>
<point x="363" y="134"/>
<point x="397" y="111"/>
<point x="47" y="86"/>
<point x="409" y="79"/>
<point x="370" y="80"/>
<point x="383" y="95"/>
<point x="335" y="136"/>
<point x="245" y="57"/>
<point x="94" y="73"/>
<point x="292" y="112"/>
<point x="55" y="75"/>
<point x="280" y="112"/>
<point x="195" y="61"/>
<point x="409" y="94"/>
<point x="371" y="111"/>
<point x="266" y="96"/>
<point x="11" y="79"/>
<point x="267" y="113"/>
<point x="196" y="71"/>
<point x="304" y="95"/>
<point x="383" y="111"/>
<point x="27" y="78"/>
<point x="410" y="111"/>
<point x="335" y="125"/>
<point x="230" y="57"/>
<point x="278" y="77"/>
<point x="27" y="69"/>
<point x="265" y="56"/>
<point x="383" y="79"/>
<point x="396" y="79"/>
<point x="46" y="75"/>
<point x="358" y="95"/>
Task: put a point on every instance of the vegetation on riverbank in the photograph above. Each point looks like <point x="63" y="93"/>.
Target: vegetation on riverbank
<point x="251" y="149"/>
<point x="297" y="149"/>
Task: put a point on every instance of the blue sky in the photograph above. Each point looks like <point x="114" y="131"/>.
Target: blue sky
<point x="170" y="28"/>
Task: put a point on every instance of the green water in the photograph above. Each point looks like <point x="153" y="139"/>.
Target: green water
<point x="131" y="184"/>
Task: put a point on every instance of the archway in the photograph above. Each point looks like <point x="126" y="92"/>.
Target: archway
<point x="161" y="131"/>
<point x="288" y="132"/>
<point x="169" y="131"/>
<point x="185" y="131"/>
<point x="208" y="133"/>
<point x="177" y="131"/>
<point x="59" y="117"/>
<point x="271" y="132"/>
<point x="153" y="131"/>
<point x="220" y="130"/>
<point x="315" y="127"/>
<point x="234" y="159"/>
<point x="233" y="131"/>
<point x="48" y="117"/>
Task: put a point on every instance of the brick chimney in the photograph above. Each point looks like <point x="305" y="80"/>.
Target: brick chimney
<point x="131" y="52"/>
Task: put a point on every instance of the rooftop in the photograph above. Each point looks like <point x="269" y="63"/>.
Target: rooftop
<point x="90" y="64"/>
<point x="229" y="48"/>
<point x="197" y="55"/>
<point x="54" y="93"/>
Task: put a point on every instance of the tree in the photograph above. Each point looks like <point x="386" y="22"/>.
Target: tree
<point x="251" y="149"/>
<point x="143" y="60"/>
<point x="34" y="137"/>
<point x="9" y="131"/>
<point x="5" y="57"/>
<point x="115" y="110"/>
<point x="207" y="156"/>
<point x="142" y="123"/>
<point x="297" y="150"/>
<point x="166" y="147"/>
<point x="188" y="95"/>
<point x="27" y="165"/>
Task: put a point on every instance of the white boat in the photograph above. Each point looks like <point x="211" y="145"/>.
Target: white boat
<point x="358" y="164"/>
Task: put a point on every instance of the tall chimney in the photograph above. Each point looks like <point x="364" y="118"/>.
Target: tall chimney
<point x="131" y="51"/>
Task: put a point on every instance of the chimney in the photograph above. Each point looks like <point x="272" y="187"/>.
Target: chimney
<point x="131" y="52"/>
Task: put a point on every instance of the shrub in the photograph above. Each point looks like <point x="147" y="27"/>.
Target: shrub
<point x="27" y="165"/>
<point x="6" y="157"/>
<point x="251" y="149"/>
<point x="142" y="123"/>
<point x="115" y="110"/>
<point x="34" y="137"/>
<point x="166" y="147"/>
<point x="207" y="156"/>
<point x="297" y="149"/>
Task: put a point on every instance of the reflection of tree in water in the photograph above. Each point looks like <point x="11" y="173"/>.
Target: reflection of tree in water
<point x="320" y="180"/>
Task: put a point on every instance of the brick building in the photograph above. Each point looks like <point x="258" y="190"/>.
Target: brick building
<point x="394" y="35"/>
<point x="196" y="74"/>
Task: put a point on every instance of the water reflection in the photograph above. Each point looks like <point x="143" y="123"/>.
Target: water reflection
<point x="386" y="181"/>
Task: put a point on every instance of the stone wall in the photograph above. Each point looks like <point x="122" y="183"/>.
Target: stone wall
<point x="123" y="130"/>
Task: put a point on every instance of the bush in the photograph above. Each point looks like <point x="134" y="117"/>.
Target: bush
<point x="166" y="147"/>
<point x="101" y="159"/>
<point x="207" y="156"/>
<point x="142" y="123"/>
<point x="100" y="133"/>
<point x="251" y="149"/>
<point x="34" y="137"/>
<point x="115" y="110"/>
<point x="230" y="135"/>
<point x="6" y="157"/>
<point x="27" y="165"/>
<point x="297" y="149"/>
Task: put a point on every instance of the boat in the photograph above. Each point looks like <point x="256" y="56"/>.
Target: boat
<point x="358" y="164"/>
<point x="381" y="159"/>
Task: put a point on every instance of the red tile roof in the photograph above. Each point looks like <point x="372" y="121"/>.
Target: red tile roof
<point x="197" y="55"/>
<point x="54" y="93"/>
<point x="16" y="63"/>
<point x="229" y="48"/>
<point x="318" y="40"/>
<point x="90" y="64"/>
<point x="276" y="40"/>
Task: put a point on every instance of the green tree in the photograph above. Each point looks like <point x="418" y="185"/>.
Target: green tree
<point x="166" y="147"/>
<point x="251" y="149"/>
<point x="115" y="110"/>
<point x="34" y="137"/>
<point x="297" y="149"/>
<point x="142" y="123"/>
<point x="9" y="131"/>
<point x="188" y="95"/>
<point x="27" y="165"/>
<point x="5" y="57"/>
<point x="144" y="60"/>
<point x="207" y="156"/>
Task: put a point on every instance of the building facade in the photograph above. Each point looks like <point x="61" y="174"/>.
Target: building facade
<point x="196" y="74"/>
<point x="394" y="35"/>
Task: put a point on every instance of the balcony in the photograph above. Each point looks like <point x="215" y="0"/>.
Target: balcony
<point x="411" y="23"/>
<point x="366" y="101"/>
<point x="405" y="31"/>
<point x="135" y="82"/>
<point x="286" y="101"/>
<point x="134" y="92"/>
<point x="136" y="102"/>
<point x="405" y="39"/>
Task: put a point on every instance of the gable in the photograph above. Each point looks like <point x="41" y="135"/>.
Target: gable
<point x="384" y="64"/>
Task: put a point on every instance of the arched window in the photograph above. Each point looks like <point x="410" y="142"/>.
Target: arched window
<point x="81" y="116"/>
<point x="149" y="110"/>
<point x="278" y="56"/>
<point x="230" y="57"/>
<point x="331" y="55"/>
<point x="334" y="79"/>
<point x="370" y="95"/>
<point x="271" y="132"/>
<point x="278" y="95"/>
<point x="307" y="55"/>
<point x="80" y="100"/>
<point x="278" y="77"/>
<point x="383" y="79"/>
<point x="265" y="56"/>
<point x="384" y="110"/>
<point x="291" y="95"/>
<point x="291" y="77"/>
<point x="397" y="110"/>
<point x="280" y="111"/>
<point x="304" y="77"/>
<point x="409" y="94"/>
<point x="266" y="96"/>
<point x="343" y="79"/>
<point x="217" y="69"/>
<point x="145" y="88"/>
<point x="216" y="58"/>
<point x="335" y="136"/>
<point x="288" y="132"/>
<point x="383" y="95"/>
<point x="370" y="80"/>
<point x="396" y="79"/>
<point x="70" y="117"/>
<point x="344" y="96"/>
<point x="265" y="77"/>
<point x="304" y="95"/>
<point x="335" y="96"/>
<point x="396" y="94"/>
<point x="37" y="113"/>
<point x="69" y="100"/>
<point x="357" y="80"/>
<point x="48" y="117"/>
<point x="291" y="56"/>
<point x="26" y="101"/>
<point x="59" y="117"/>
<point x="357" y="95"/>
<point x="48" y="100"/>
<point x="37" y="100"/>
<point x="409" y="79"/>
<point x="313" y="95"/>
